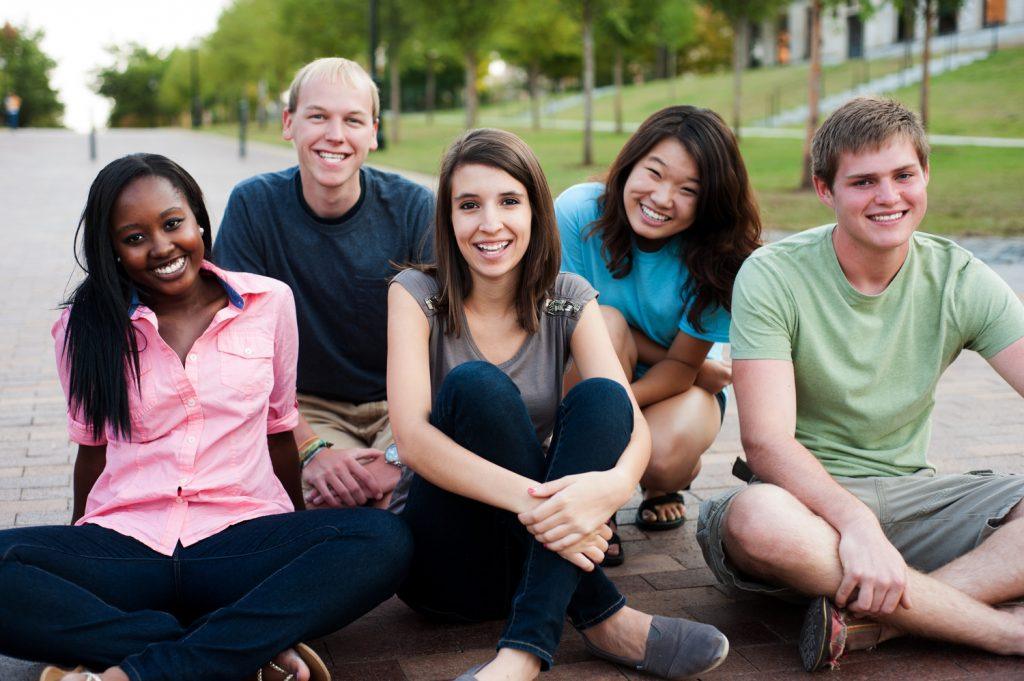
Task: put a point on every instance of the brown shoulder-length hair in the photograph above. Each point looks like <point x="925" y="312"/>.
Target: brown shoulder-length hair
<point x="727" y="225"/>
<point x="539" y="267"/>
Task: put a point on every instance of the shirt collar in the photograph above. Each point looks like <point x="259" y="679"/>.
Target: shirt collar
<point x="236" y="285"/>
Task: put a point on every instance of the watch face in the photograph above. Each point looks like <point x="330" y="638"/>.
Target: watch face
<point x="391" y="454"/>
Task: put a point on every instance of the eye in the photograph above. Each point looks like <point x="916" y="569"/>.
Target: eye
<point x="317" y="117"/>
<point x="904" y="176"/>
<point x="862" y="183"/>
<point x="173" y="224"/>
<point x="355" y="121"/>
<point x="654" y="172"/>
<point x="689" y="190"/>
<point x="510" y="201"/>
<point x="468" y="205"/>
<point x="133" y="239"/>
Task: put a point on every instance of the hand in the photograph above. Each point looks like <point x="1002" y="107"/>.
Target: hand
<point x="575" y="506"/>
<point x="874" y="569"/>
<point x="714" y="375"/>
<point x="588" y="553"/>
<point x="339" y="478"/>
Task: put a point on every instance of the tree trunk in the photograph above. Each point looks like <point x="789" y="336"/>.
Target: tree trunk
<point x="926" y="59"/>
<point x="470" y="64"/>
<point x="394" y="75"/>
<point x="588" y="85"/>
<point x="431" y="94"/>
<point x="739" y="63"/>
<point x="617" y="78"/>
<point x="533" y="83"/>
<point x="813" y="93"/>
<point x="673" y="58"/>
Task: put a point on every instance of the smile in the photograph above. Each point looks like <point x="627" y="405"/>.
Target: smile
<point x="492" y="247"/>
<point x="887" y="218"/>
<point x="332" y="157"/>
<point x="651" y="214"/>
<point x="173" y="267"/>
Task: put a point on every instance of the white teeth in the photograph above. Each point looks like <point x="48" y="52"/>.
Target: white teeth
<point x="492" y="248"/>
<point x="653" y="215"/>
<point x="171" y="267"/>
<point x="888" y="218"/>
<point x="328" y="156"/>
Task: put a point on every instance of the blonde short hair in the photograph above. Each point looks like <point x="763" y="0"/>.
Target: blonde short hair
<point x="864" y="123"/>
<point x="333" y="70"/>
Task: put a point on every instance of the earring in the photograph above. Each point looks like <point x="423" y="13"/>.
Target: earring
<point x="119" y="258"/>
<point x="202" y="230"/>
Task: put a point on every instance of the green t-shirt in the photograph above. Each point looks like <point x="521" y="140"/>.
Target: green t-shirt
<point x="866" y="367"/>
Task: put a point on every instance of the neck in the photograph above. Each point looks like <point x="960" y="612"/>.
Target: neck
<point x="870" y="271"/>
<point x="492" y="297"/>
<point x="188" y="303"/>
<point x="330" y="202"/>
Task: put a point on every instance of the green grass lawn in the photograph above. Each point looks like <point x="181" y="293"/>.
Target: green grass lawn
<point x="974" y="190"/>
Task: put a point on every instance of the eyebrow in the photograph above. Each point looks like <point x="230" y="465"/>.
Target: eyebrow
<point x="132" y="225"/>
<point x="658" y="159"/>
<point x="316" y="107"/>
<point x="853" y="176"/>
<point x="471" y="195"/>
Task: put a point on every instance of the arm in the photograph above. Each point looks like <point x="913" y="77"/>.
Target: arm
<point x="766" y="397"/>
<point x="285" y="459"/>
<point x="713" y="375"/>
<point x="341" y="477"/>
<point x="1009" y="363"/>
<point x="578" y="504"/>
<point x="89" y="463"/>
<point x="675" y="373"/>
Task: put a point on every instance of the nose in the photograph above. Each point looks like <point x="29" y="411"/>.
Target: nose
<point x="887" y="193"/>
<point x="662" y="195"/>
<point x="490" y="221"/>
<point x="334" y="131"/>
<point x="160" y="246"/>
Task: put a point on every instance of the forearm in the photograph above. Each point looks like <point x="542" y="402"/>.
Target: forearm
<point x="635" y="456"/>
<point x="284" y="457"/>
<point x="303" y="431"/>
<point x="89" y="464"/>
<point x="647" y="351"/>
<point x="663" y="380"/>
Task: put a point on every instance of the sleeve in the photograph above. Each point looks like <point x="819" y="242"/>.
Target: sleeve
<point x="421" y="286"/>
<point x="574" y="289"/>
<point x="237" y="247"/>
<point x="78" y="431"/>
<point x="989" y="314"/>
<point x="570" y="228"/>
<point x="423" y="228"/>
<point x="715" y="322"/>
<point x="283" y="414"/>
<point x="763" y="314"/>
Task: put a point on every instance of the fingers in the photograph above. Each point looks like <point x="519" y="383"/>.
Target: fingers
<point x="366" y="481"/>
<point x="564" y="542"/>
<point x="846" y="588"/>
<point x="905" y="597"/>
<point x="550" y="487"/>
<point x="595" y="554"/>
<point x="325" y="492"/>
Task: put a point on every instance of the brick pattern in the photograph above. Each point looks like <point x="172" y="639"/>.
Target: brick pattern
<point x="978" y="423"/>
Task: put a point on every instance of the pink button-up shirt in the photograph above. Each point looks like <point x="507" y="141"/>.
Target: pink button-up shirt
<point x="198" y="459"/>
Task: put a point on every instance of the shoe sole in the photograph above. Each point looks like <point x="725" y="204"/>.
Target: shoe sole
<point x="815" y="634"/>
<point x="318" y="671"/>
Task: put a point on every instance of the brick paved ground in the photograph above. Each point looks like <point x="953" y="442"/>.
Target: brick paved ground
<point x="979" y="423"/>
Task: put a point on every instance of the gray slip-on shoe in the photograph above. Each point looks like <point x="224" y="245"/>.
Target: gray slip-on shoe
<point x="676" y="649"/>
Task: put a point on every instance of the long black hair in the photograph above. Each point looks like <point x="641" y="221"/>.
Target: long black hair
<point x="100" y="346"/>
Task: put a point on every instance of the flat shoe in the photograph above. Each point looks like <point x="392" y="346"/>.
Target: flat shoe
<point x="648" y="505"/>
<point x="827" y="633"/>
<point x="676" y="649"/>
<point x="318" y="671"/>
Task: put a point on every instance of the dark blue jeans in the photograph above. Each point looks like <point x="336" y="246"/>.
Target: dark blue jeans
<point x="216" y="610"/>
<point x="474" y="562"/>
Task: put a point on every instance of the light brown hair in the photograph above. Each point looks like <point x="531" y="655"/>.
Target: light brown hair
<point x="539" y="266"/>
<point x="335" y="70"/>
<point x="864" y="124"/>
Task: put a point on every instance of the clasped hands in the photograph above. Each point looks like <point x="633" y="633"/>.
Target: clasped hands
<point x="571" y="518"/>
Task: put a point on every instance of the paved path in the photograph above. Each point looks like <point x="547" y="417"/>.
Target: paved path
<point x="979" y="423"/>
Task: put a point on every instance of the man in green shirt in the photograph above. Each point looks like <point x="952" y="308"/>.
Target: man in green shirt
<point x="839" y="336"/>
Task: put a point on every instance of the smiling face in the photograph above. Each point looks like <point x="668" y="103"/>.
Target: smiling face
<point x="157" y="238"/>
<point x="879" y="196"/>
<point x="491" y="220"/>
<point x="660" y="194"/>
<point x="333" y="130"/>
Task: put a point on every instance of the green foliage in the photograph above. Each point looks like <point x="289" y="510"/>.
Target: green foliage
<point x="133" y="82"/>
<point x="540" y="35"/>
<point x="27" y="73"/>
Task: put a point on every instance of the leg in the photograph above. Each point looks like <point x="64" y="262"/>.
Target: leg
<point x="770" y="535"/>
<point x="82" y="595"/>
<point x="682" y="428"/>
<point x="622" y="340"/>
<point x="268" y="583"/>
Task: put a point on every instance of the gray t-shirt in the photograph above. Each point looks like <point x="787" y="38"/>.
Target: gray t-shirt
<point x="536" y="368"/>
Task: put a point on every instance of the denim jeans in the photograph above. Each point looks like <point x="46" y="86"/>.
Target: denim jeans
<point x="474" y="562"/>
<point x="216" y="610"/>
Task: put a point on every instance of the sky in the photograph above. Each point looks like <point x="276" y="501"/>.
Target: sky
<point x="78" y="32"/>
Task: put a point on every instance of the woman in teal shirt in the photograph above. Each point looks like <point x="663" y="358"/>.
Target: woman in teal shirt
<point x="661" y="240"/>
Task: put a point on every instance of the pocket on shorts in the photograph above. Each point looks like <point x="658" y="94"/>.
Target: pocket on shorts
<point x="246" y="362"/>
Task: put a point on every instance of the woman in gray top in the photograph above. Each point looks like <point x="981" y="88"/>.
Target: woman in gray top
<point x="510" y="485"/>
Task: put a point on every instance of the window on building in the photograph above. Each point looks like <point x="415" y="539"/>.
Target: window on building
<point x="995" y="12"/>
<point x="905" y="24"/>
<point x="854" y="37"/>
<point x="782" y="49"/>
<point x="947" y="21"/>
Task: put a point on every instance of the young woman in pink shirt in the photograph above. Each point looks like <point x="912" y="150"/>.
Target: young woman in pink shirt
<point x="184" y="560"/>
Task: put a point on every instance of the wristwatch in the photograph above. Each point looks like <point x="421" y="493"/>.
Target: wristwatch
<point x="391" y="456"/>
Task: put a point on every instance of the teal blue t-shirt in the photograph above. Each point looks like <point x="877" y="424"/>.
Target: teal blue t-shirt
<point x="651" y="296"/>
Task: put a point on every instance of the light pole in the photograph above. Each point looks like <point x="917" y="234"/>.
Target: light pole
<point x="374" y="39"/>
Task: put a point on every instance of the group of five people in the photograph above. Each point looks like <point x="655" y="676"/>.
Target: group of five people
<point x="358" y="344"/>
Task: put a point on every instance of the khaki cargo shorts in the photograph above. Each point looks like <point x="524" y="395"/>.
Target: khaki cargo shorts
<point x="931" y="519"/>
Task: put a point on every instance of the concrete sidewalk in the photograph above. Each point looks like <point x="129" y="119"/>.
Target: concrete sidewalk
<point x="978" y="423"/>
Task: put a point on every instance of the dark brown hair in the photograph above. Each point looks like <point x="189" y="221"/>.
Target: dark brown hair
<point x="864" y="123"/>
<point x="539" y="267"/>
<point x="727" y="226"/>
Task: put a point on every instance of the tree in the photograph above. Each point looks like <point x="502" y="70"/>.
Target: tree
<point x="621" y="27"/>
<point x="741" y="13"/>
<point x="26" y="72"/>
<point x="931" y="9"/>
<point x="401" y="19"/>
<point x="675" y="26"/>
<point x="133" y="82"/>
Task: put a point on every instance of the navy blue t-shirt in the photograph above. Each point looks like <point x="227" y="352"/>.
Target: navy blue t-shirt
<point x="338" y="269"/>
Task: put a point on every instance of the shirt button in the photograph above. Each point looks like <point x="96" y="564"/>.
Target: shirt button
<point x="191" y="439"/>
<point x="193" y="357"/>
<point x="183" y="481"/>
<point x="248" y="351"/>
<point x="191" y="402"/>
<point x="178" y="500"/>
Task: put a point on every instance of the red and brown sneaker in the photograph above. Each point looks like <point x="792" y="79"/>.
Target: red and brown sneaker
<point x="828" y="632"/>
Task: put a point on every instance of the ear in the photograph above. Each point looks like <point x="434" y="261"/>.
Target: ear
<point x="286" y="124"/>
<point x="927" y="170"/>
<point x="824" y="192"/>
<point x="376" y="127"/>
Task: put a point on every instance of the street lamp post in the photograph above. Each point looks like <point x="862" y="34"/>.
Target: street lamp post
<point x="374" y="39"/>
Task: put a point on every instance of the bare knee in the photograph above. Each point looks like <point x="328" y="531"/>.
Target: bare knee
<point x="762" y="528"/>
<point x="674" y="464"/>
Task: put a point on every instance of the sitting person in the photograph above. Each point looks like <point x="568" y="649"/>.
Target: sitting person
<point x="662" y="239"/>
<point x="185" y="560"/>
<point x="839" y="337"/>
<point x="504" y="525"/>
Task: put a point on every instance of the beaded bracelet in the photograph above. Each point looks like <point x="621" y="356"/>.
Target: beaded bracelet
<point x="311" y="448"/>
